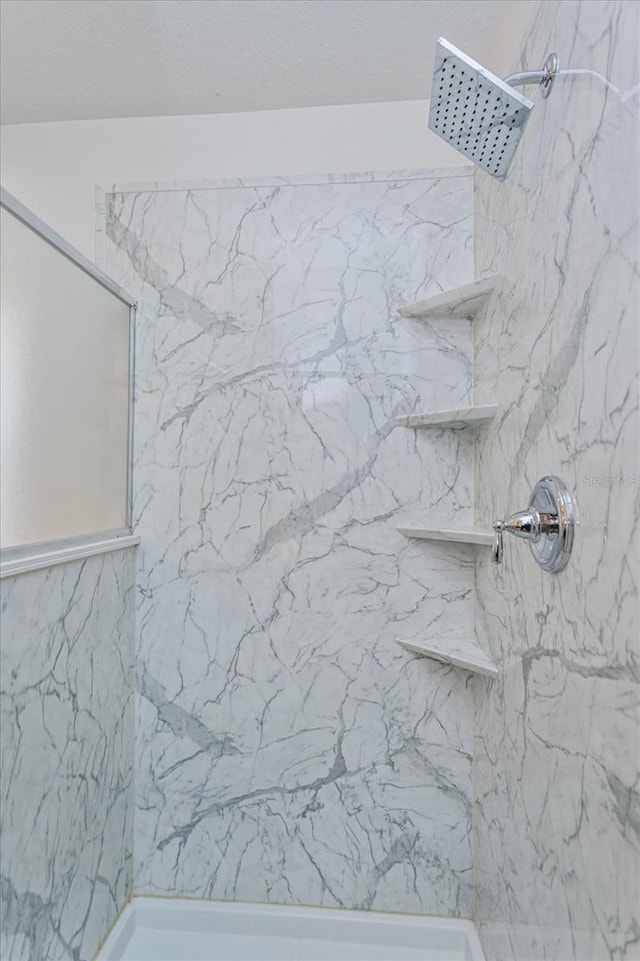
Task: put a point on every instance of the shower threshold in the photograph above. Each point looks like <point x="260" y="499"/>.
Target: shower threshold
<point x="166" y="929"/>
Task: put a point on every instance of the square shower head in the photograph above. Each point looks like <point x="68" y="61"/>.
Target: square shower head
<point x="475" y="111"/>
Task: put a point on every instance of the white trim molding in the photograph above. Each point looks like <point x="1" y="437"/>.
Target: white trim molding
<point x="49" y="556"/>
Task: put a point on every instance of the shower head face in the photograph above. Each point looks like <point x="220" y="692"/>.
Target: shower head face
<point x="475" y="111"/>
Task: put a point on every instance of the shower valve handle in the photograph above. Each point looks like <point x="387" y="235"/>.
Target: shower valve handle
<point x="547" y="524"/>
<point x="528" y="524"/>
<point x="498" y="543"/>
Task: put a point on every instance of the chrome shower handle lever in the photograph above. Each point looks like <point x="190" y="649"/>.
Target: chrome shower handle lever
<point x="547" y="524"/>
<point x="498" y="543"/>
<point x="526" y="524"/>
<point x="521" y="524"/>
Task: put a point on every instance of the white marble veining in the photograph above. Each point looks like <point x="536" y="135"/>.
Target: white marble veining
<point x="461" y="652"/>
<point x="463" y="301"/>
<point x="557" y="746"/>
<point x="67" y="756"/>
<point x="288" y="751"/>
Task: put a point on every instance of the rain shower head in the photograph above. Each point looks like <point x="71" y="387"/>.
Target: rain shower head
<point x="476" y="112"/>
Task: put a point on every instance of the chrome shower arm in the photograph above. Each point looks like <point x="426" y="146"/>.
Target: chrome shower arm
<point x="543" y="77"/>
<point x="525" y="77"/>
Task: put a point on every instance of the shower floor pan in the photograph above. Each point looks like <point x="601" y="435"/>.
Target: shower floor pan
<point x="157" y="929"/>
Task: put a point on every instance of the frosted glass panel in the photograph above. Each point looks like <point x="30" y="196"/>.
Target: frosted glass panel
<point x="64" y="395"/>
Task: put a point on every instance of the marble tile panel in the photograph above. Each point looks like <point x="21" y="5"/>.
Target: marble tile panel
<point x="66" y="709"/>
<point x="288" y="750"/>
<point x="557" y="735"/>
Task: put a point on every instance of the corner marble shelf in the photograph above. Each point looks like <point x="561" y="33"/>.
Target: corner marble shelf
<point x="460" y="302"/>
<point x="454" y="535"/>
<point x="460" y="417"/>
<point x="463" y="653"/>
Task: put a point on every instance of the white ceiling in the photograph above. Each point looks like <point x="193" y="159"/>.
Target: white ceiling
<point x="84" y="59"/>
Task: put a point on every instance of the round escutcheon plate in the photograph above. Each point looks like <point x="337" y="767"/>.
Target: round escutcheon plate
<point x="552" y="551"/>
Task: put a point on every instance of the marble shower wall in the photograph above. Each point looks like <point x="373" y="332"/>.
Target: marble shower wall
<point x="557" y="751"/>
<point x="288" y="750"/>
<point x="66" y="712"/>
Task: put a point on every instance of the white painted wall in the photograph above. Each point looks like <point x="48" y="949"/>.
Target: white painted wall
<point x="54" y="167"/>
